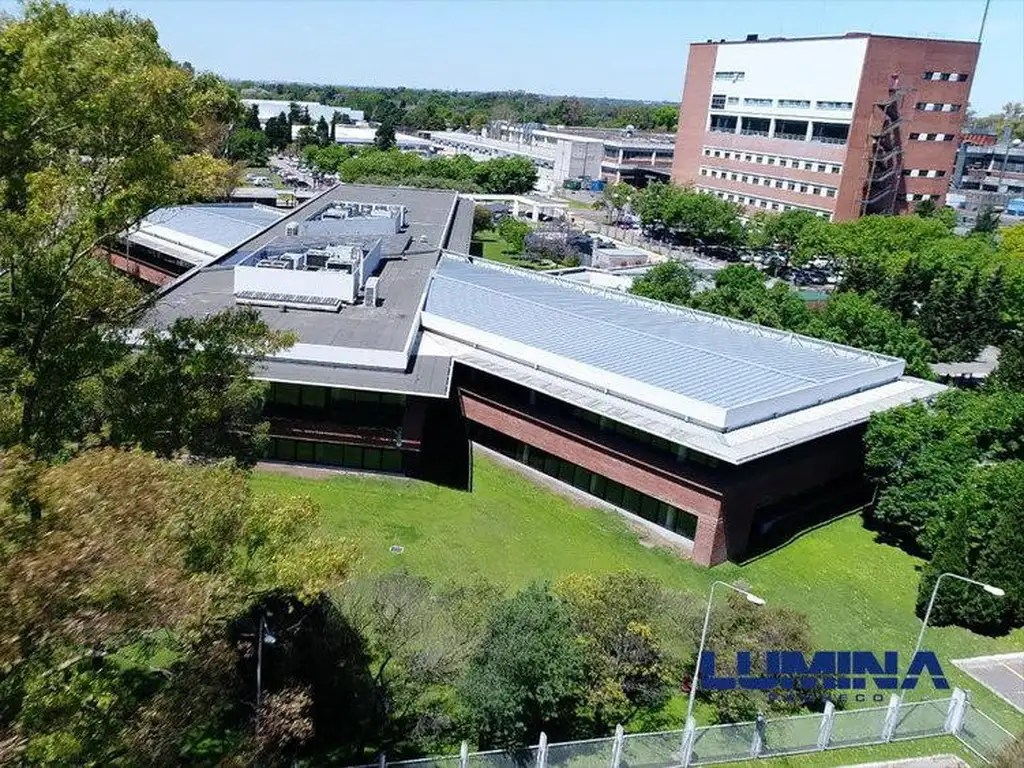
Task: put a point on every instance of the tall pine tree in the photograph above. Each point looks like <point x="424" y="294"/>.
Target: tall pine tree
<point x="252" y="118"/>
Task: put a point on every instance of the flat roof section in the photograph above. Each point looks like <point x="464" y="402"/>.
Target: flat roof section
<point x="719" y="373"/>
<point x="428" y="375"/>
<point x="381" y="337"/>
<point x="200" y="233"/>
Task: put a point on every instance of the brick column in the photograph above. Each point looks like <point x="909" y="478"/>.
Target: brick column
<point x="709" y="543"/>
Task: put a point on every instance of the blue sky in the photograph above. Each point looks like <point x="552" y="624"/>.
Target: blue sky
<point x="625" y="49"/>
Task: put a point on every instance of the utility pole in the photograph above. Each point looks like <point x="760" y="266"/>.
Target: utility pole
<point x="984" y="16"/>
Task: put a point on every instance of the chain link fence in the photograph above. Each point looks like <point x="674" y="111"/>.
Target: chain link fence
<point x="981" y="734"/>
<point x="832" y="729"/>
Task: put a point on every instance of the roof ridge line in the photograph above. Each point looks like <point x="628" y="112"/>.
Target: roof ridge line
<point x="642" y="333"/>
<point x="833" y="348"/>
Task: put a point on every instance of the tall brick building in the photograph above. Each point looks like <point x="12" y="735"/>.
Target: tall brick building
<point x="840" y="126"/>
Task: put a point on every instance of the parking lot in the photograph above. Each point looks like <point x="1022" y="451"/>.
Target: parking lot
<point x="1004" y="675"/>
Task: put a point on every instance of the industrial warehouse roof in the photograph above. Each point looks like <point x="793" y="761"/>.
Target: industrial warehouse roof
<point x="200" y="233"/>
<point x="715" y="372"/>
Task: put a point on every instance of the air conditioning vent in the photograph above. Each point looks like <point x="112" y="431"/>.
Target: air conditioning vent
<point x="371" y="295"/>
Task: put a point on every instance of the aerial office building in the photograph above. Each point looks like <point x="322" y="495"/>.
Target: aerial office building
<point x="710" y="433"/>
<point x="840" y="126"/>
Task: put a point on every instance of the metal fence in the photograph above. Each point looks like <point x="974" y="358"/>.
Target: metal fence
<point x="832" y="729"/>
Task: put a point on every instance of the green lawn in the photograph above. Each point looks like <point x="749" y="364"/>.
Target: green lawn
<point x="857" y="593"/>
<point x="942" y="745"/>
<point x="495" y="248"/>
<point x="578" y="204"/>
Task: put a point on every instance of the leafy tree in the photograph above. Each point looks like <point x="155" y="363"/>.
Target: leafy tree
<point x="665" y="118"/>
<point x="419" y="640"/>
<point x="741" y="292"/>
<point x="514" y="232"/>
<point x="104" y="128"/>
<point x="614" y="199"/>
<point x="616" y="618"/>
<point x="987" y="221"/>
<point x="925" y="208"/>
<point x="507" y="175"/>
<point x="252" y="119"/>
<point x="649" y="203"/>
<point x="920" y="455"/>
<point x="782" y="231"/>
<point x="742" y="626"/>
<point x="248" y="146"/>
<point x="529" y="673"/>
<point x="123" y="591"/>
<point x="1009" y="373"/>
<point x="984" y="540"/>
<point x="190" y="388"/>
<point x="278" y="131"/>
<point x="294" y="113"/>
<point x="384" y="139"/>
<point x="306" y="137"/>
<point x="961" y="313"/>
<point x="323" y="132"/>
<point x="856" y="320"/>
<point x="482" y="218"/>
<point x="670" y="281"/>
<point x="697" y="215"/>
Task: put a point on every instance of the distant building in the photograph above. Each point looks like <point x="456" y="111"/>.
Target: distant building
<point x="361" y="136"/>
<point x="988" y="175"/>
<point x="627" y="155"/>
<point x="840" y="126"/>
<point x="269" y="108"/>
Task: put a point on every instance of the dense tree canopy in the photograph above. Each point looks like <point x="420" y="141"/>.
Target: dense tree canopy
<point x="529" y="672"/>
<point x="100" y="127"/>
<point x="248" y="145"/>
<point x="857" y="321"/>
<point x="697" y="215"/>
<point x="514" y="232"/>
<point x="430" y="110"/>
<point x="106" y="615"/>
<point x="189" y="388"/>
<point x="670" y="281"/>
<point x="500" y="175"/>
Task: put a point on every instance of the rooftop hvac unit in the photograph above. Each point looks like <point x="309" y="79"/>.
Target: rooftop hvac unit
<point x="292" y="228"/>
<point x="284" y="261"/>
<point x="338" y="264"/>
<point x="370" y="297"/>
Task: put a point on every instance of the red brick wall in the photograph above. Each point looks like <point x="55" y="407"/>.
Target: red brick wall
<point x="910" y="59"/>
<point x="693" y="113"/>
<point x="709" y="545"/>
<point x="724" y="509"/>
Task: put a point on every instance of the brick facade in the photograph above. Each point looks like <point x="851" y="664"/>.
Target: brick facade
<point x="725" y="502"/>
<point x="906" y="59"/>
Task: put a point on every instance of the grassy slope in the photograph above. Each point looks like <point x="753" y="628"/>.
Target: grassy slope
<point x="857" y="593"/>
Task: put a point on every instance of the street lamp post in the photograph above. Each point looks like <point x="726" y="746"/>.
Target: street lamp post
<point x="269" y="639"/>
<point x="703" y="637"/>
<point x="931" y="603"/>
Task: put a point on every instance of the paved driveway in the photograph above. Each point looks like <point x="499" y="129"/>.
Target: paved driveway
<point x="1004" y="675"/>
